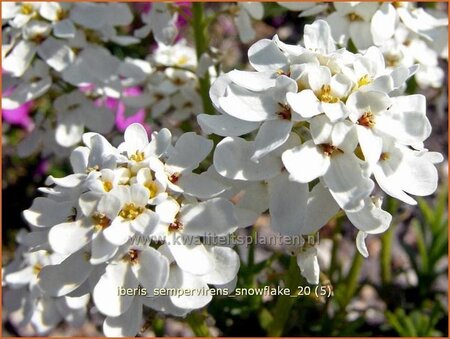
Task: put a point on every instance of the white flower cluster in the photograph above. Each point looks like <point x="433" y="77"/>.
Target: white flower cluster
<point x="405" y="33"/>
<point x="82" y="233"/>
<point x="55" y="52"/>
<point x="327" y="122"/>
<point x="315" y="129"/>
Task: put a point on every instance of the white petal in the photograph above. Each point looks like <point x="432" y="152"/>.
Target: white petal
<point x="287" y="205"/>
<point x="200" y="185"/>
<point x="271" y="135"/>
<point x="255" y="9"/>
<point x="106" y="292"/>
<point x="20" y="58"/>
<point x="389" y="183"/>
<point x="46" y="212"/>
<point x="64" y="29"/>
<point x="335" y="111"/>
<point x="101" y="249"/>
<point x="370" y="219"/>
<point x="317" y="37"/>
<point x="146" y="222"/>
<point x="225" y="125"/>
<point x="383" y="22"/>
<point x="190" y="149"/>
<point x="244" y="26"/>
<point x="191" y="258"/>
<point x="249" y="106"/>
<point x="151" y="270"/>
<point x="180" y="279"/>
<point x="213" y="217"/>
<point x="61" y="279"/>
<point x="136" y="138"/>
<point x="371" y="144"/>
<point x="361" y="244"/>
<point x="360" y="34"/>
<point x="56" y="54"/>
<point x="346" y="182"/>
<point x="305" y="163"/>
<point x="160" y="142"/>
<point x="254" y="81"/>
<point x="309" y="265"/>
<point x="69" y="129"/>
<point x="119" y="232"/>
<point x="264" y="55"/>
<point x="232" y="160"/>
<point x="320" y="209"/>
<point x="226" y="265"/>
<point x="127" y="324"/>
<point x="69" y="237"/>
<point x="304" y="103"/>
<point x="339" y="27"/>
<point x="417" y="176"/>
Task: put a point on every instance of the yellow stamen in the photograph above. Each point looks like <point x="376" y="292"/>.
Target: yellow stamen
<point x="131" y="211"/>
<point x="326" y="96"/>
<point x="384" y="156"/>
<point x="138" y="156"/>
<point x="354" y="17"/>
<point x="101" y="221"/>
<point x="364" y="80"/>
<point x="107" y="186"/>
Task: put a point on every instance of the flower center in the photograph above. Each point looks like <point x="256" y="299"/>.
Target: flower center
<point x="285" y="112"/>
<point x="137" y="156"/>
<point x="37" y="268"/>
<point x="364" y="80"/>
<point x="392" y="60"/>
<point x="132" y="256"/>
<point x="152" y="187"/>
<point x="354" y="17"/>
<point x="107" y="186"/>
<point x="175" y="226"/>
<point x="101" y="221"/>
<point x="329" y="149"/>
<point x="384" y="156"/>
<point x="182" y="60"/>
<point x="173" y="178"/>
<point x="367" y="120"/>
<point x="26" y="9"/>
<point x="326" y="96"/>
<point x="131" y="211"/>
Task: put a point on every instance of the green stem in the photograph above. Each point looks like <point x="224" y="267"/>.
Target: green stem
<point x="386" y="244"/>
<point x="201" y="46"/>
<point x="285" y="302"/>
<point x="352" y="280"/>
<point x="385" y="262"/>
<point x="197" y="323"/>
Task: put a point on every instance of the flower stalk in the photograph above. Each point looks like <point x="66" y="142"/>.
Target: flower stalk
<point x="199" y="24"/>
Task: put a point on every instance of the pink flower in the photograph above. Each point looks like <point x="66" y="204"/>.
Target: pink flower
<point x="20" y="115"/>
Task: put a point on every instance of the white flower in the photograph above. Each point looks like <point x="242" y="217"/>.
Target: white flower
<point x="247" y="11"/>
<point x="75" y="112"/>
<point x="309" y="265"/>
<point x="352" y="20"/>
<point x="179" y="226"/>
<point x="401" y="170"/>
<point x="161" y="21"/>
<point x="330" y="155"/>
<point x="143" y="266"/>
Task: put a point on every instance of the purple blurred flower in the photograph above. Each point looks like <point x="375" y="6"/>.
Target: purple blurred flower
<point x="20" y="115"/>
